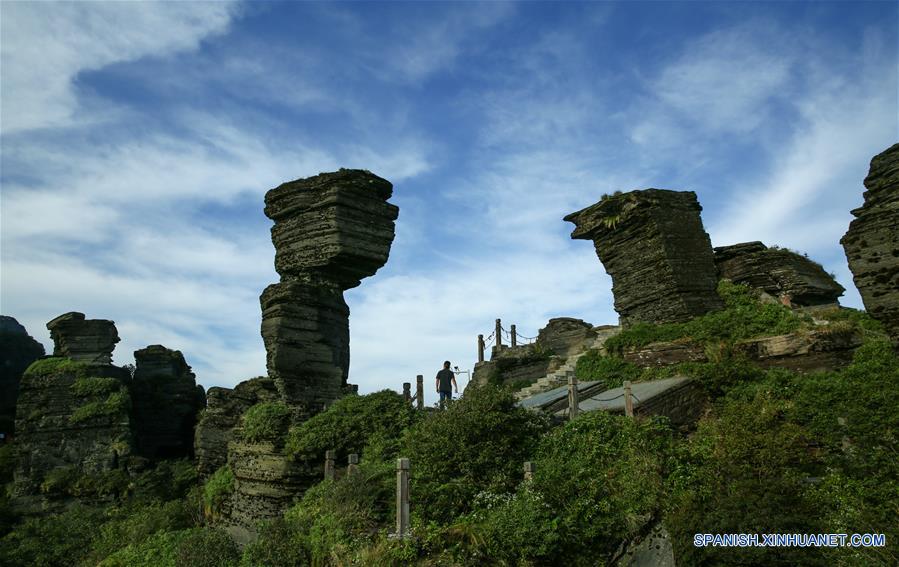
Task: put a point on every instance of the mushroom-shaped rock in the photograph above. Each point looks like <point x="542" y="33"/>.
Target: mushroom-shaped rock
<point x="83" y="340"/>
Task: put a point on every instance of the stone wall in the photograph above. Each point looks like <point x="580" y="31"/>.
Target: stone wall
<point x="872" y="242"/>
<point x="654" y="247"/>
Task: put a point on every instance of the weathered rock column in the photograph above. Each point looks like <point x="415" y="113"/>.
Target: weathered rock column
<point x="331" y="231"/>
<point x="83" y="340"/>
<point x="653" y="245"/>
<point x="17" y="351"/>
<point x="872" y="242"/>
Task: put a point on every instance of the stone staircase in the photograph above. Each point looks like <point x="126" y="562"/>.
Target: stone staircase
<point x="559" y="377"/>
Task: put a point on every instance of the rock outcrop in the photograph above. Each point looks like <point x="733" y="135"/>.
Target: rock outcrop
<point x="653" y="245"/>
<point x="872" y="242"/>
<point x="17" y="351"/>
<point x="781" y="273"/>
<point x="224" y="407"/>
<point x="564" y="336"/>
<point x="166" y="400"/>
<point x="331" y="231"/>
<point x="83" y="340"/>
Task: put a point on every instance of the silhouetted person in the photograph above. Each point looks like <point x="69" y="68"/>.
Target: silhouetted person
<point x="446" y="383"/>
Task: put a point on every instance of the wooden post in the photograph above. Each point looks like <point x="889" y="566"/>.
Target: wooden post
<point x="529" y="470"/>
<point x="574" y="401"/>
<point x="402" y="498"/>
<point x="514" y="337"/>
<point x="420" y="392"/>
<point x="352" y="464"/>
<point x="407" y="391"/>
<point x="330" y="457"/>
<point x="481" y="348"/>
<point x="499" y="334"/>
<point x="628" y="400"/>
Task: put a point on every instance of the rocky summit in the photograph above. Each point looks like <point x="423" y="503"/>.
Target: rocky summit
<point x="330" y="231"/>
<point x="83" y="340"/>
<point x="779" y="272"/>
<point x="872" y="242"/>
<point x="654" y="247"/>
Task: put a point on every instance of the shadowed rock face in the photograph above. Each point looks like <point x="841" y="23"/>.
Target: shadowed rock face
<point x="330" y="231"/>
<point x="777" y="272"/>
<point x="872" y="242"/>
<point x="17" y="351"/>
<point x="83" y="340"/>
<point x="165" y="401"/>
<point x="653" y="245"/>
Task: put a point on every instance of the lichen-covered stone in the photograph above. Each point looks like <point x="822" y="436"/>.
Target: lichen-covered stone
<point x="306" y="333"/>
<point x="778" y="272"/>
<point x="224" y="406"/>
<point x="564" y="336"/>
<point x="336" y="227"/>
<point x="166" y="400"/>
<point x="69" y="416"/>
<point x="654" y="247"/>
<point x="84" y="340"/>
<point x="872" y="242"/>
<point x="17" y="350"/>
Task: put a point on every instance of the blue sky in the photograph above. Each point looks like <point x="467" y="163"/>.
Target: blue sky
<point x="138" y="141"/>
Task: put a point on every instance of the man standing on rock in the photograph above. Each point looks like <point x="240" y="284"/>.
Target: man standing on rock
<point x="446" y="382"/>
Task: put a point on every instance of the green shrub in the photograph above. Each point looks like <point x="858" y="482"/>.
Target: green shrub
<point x="54" y="365"/>
<point x="743" y="317"/>
<point x="134" y="524"/>
<point x="521" y="530"/>
<point x="59" y="480"/>
<point x="477" y="444"/>
<point x="168" y="480"/>
<point x="94" y="386"/>
<point x="57" y="540"/>
<point x="611" y="370"/>
<point x="115" y="404"/>
<point x="857" y="319"/>
<point x="267" y="421"/>
<point x="159" y="550"/>
<point x="280" y="544"/>
<point x="216" y="490"/>
<point x="207" y="548"/>
<point x="369" y="425"/>
<point x="7" y="462"/>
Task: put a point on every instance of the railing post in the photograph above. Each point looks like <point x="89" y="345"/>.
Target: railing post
<point x="352" y="464"/>
<point x="574" y="401"/>
<point x="402" y="498"/>
<point x="420" y="392"/>
<point x="480" y="348"/>
<point x="628" y="400"/>
<point x="407" y="391"/>
<point x="330" y="457"/>
<point x="499" y="334"/>
<point x="529" y="469"/>
<point x="514" y="337"/>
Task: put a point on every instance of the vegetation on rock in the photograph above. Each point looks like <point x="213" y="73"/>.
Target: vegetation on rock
<point x="267" y="421"/>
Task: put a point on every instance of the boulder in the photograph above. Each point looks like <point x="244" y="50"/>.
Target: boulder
<point x="17" y="351"/>
<point x="564" y="336"/>
<point x="872" y="242"/>
<point x="778" y="272"/>
<point x="83" y="340"/>
<point x="654" y="247"/>
<point x="166" y="401"/>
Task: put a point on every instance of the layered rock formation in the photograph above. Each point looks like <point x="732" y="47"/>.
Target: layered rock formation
<point x="872" y="242"/>
<point x="224" y="407"/>
<point x="166" y="400"/>
<point x="82" y="340"/>
<point x="653" y="245"/>
<point x="17" y="351"/>
<point x="778" y="272"/>
<point x="564" y="336"/>
<point x="330" y="231"/>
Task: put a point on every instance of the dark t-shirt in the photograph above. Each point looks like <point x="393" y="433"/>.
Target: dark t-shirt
<point x="445" y="378"/>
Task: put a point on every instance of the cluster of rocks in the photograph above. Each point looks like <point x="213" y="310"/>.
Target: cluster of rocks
<point x="77" y="413"/>
<point x="872" y="242"/>
<point x="781" y="273"/>
<point x="17" y="351"/>
<point x="654" y="247"/>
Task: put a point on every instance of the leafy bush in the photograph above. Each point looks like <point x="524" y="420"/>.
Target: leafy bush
<point x="743" y="317"/>
<point x="115" y="404"/>
<point x="134" y="524"/>
<point x="369" y="425"/>
<point x="59" y="480"/>
<point x="206" y="547"/>
<point x="478" y="444"/>
<point x="7" y="462"/>
<point x="217" y="489"/>
<point x="857" y="319"/>
<point x="267" y="421"/>
<point x="610" y="369"/>
<point x="54" y="365"/>
<point x="94" y="386"/>
<point x="168" y="480"/>
<point x="57" y="540"/>
<point x="159" y="550"/>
